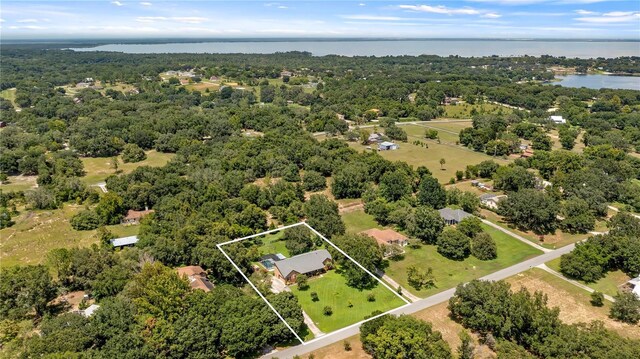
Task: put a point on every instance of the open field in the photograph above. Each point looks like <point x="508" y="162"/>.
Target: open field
<point x="203" y="86"/>
<point x="572" y="301"/>
<point x="450" y="136"/>
<point x="333" y="291"/>
<point x="35" y="233"/>
<point x="463" y="110"/>
<point x="467" y="187"/>
<point x="99" y="168"/>
<point x="19" y="183"/>
<point x="271" y="244"/>
<point x="9" y="94"/>
<point x="358" y="221"/>
<point x="608" y="285"/>
<point x="456" y="157"/>
<point x="449" y="273"/>
<point x="554" y="240"/>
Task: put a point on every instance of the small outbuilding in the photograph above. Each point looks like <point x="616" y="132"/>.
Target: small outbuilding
<point x="453" y="216"/>
<point x="124" y="241"/>
<point x="635" y="286"/>
<point x="134" y="217"/>
<point x="557" y="119"/>
<point x="387" y="146"/>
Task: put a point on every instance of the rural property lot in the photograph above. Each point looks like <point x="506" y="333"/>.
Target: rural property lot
<point x="573" y="302"/>
<point x="610" y="284"/>
<point x="348" y="305"/>
<point x="99" y="168"/>
<point x="449" y="273"/>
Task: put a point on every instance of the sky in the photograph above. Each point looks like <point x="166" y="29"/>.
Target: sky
<point x="514" y="19"/>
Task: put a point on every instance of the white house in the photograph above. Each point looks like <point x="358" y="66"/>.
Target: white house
<point x="386" y="146"/>
<point x="635" y="283"/>
<point x="557" y="119"/>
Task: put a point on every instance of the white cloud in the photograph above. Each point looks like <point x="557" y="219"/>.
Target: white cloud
<point x="282" y="7"/>
<point x="372" y="17"/>
<point x="491" y="15"/>
<point x="145" y="3"/>
<point x="441" y="9"/>
<point x="24" y="21"/>
<point x="147" y="19"/>
<point x="2" y="20"/>
<point x="618" y="13"/>
<point x="27" y="27"/>
<point x="117" y="3"/>
<point x="585" y="12"/>
<point x="191" y="19"/>
<point x="362" y="4"/>
<point x="613" y="17"/>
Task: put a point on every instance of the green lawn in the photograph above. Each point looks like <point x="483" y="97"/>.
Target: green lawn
<point x="333" y="291"/>
<point x="19" y="183"/>
<point x="449" y="273"/>
<point x="35" y="233"/>
<point x="99" y="168"/>
<point x="271" y="244"/>
<point x="463" y="110"/>
<point x="447" y="134"/>
<point x="9" y="94"/>
<point x="607" y="285"/>
<point x="456" y="157"/>
<point x="358" y="221"/>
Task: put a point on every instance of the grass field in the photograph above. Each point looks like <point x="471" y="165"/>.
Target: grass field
<point x="607" y="285"/>
<point x="203" y="86"/>
<point x="333" y="291"/>
<point x="555" y="240"/>
<point x="99" y="168"/>
<point x="9" y="94"/>
<point x="271" y="244"/>
<point x="449" y="273"/>
<point x="35" y="233"/>
<point x="456" y="157"/>
<point x="358" y="221"/>
<point x="447" y="132"/>
<point x="463" y="110"/>
<point x="19" y="183"/>
<point x="573" y="302"/>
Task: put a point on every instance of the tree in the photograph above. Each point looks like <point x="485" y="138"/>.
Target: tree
<point x="349" y="181"/>
<point x="85" y="220"/>
<point x="132" y="153"/>
<point x="626" y="308"/>
<point x="322" y="214"/>
<point x="327" y="311"/>
<point x="470" y="226"/>
<point x="513" y="178"/>
<point x="530" y="210"/>
<point x="453" y="244"/>
<point x="426" y="224"/>
<point x="483" y="247"/>
<point x="419" y="279"/>
<point x="578" y="217"/>
<point x="568" y="136"/>
<point x="110" y="209"/>
<point x="5" y="218"/>
<point x="466" y="347"/>
<point x="395" y="185"/>
<point x="302" y="281"/>
<point x="24" y="290"/>
<point x="41" y="198"/>
<point x="597" y="299"/>
<point x="442" y="163"/>
<point x="541" y="141"/>
<point x="364" y="250"/>
<point x="586" y="262"/>
<point x="403" y="337"/>
<point x="395" y="133"/>
<point x="431" y="193"/>
<point x="313" y="181"/>
<point x="298" y="240"/>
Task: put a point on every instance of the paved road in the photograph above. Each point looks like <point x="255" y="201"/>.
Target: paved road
<point x="417" y="306"/>
<point x="617" y="210"/>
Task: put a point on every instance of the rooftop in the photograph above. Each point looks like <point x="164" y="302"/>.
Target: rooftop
<point x="303" y="263"/>
<point x="383" y="236"/>
<point x="124" y="241"/>
<point x="131" y="214"/>
<point x="449" y="214"/>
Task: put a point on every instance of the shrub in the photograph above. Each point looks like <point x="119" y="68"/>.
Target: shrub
<point x="314" y="296"/>
<point x="626" y="308"/>
<point x="347" y="346"/>
<point x="371" y="297"/>
<point x="313" y="181"/>
<point x="132" y="153"/>
<point x="453" y="244"/>
<point x="301" y="280"/>
<point x="85" y="221"/>
<point x="327" y="310"/>
<point x="597" y="299"/>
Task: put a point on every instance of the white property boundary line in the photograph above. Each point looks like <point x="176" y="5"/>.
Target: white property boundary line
<point x="334" y="246"/>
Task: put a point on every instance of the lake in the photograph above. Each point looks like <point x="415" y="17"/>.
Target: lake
<point x="465" y="48"/>
<point x="600" y="81"/>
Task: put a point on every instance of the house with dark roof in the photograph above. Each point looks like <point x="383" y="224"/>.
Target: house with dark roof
<point x="196" y="276"/>
<point x="453" y="216"/>
<point x="310" y="263"/>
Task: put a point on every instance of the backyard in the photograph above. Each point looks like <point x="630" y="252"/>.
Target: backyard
<point x="272" y="244"/>
<point x="449" y="273"/>
<point x="333" y="291"/>
<point x="358" y="221"/>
